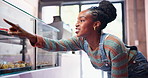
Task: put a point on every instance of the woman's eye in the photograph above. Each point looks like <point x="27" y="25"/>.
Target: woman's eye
<point x="82" y="20"/>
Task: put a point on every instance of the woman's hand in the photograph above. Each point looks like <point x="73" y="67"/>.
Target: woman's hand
<point x="18" y="31"/>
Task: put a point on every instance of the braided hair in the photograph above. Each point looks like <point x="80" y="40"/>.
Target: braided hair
<point x="104" y="13"/>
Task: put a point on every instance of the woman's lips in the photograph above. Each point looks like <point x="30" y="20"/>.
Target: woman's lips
<point x="77" y="30"/>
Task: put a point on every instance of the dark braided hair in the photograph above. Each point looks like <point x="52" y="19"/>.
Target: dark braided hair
<point x="104" y="13"/>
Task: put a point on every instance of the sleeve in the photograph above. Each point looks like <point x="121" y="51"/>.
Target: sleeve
<point x="71" y="44"/>
<point x="118" y="55"/>
<point x="120" y="66"/>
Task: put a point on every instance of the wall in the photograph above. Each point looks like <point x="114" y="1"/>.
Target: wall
<point x="146" y="19"/>
<point x="136" y="24"/>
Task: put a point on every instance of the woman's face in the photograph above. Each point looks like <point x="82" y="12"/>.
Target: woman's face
<point x="84" y="25"/>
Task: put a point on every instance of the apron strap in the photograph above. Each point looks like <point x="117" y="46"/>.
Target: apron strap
<point x="103" y="53"/>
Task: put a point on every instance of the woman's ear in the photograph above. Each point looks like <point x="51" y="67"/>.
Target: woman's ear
<point x="97" y="25"/>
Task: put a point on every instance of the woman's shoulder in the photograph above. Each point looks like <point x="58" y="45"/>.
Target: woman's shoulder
<point x="114" y="46"/>
<point x="114" y="43"/>
<point x="113" y="39"/>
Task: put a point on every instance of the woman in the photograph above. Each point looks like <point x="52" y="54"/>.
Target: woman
<point x="106" y="51"/>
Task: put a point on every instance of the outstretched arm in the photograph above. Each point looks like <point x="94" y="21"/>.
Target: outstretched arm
<point x="71" y="44"/>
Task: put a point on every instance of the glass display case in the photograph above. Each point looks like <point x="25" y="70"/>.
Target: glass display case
<point x="17" y="54"/>
<point x="45" y="58"/>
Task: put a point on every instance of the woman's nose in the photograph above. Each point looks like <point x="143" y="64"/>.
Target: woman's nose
<point x="77" y="24"/>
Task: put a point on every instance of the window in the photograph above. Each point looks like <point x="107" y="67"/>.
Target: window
<point x="48" y="12"/>
<point x="69" y="15"/>
<point x="86" y="6"/>
<point x="116" y="27"/>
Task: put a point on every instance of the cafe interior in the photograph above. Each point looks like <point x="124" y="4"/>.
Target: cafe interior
<point x="56" y="19"/>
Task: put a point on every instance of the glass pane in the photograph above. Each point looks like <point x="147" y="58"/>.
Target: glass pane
<point x="14" y="52"/>
<point x="45" y="58"/>
<point x="69" y="15"/>
<point x="48" y="12"/>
